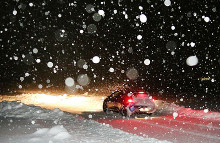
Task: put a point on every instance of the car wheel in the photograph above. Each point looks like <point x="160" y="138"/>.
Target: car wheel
<point x="123" y="111"/>
<point x="105" y="108"/>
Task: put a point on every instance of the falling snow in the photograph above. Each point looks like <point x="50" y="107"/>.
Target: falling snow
<point x="50" y="64"/>
<point x="69" y="81"/>
<point x="168" y="48"/>
<point x="15" y="12"/>
<point x="139" y="37"/>
<point x="143" y="18"/>
<point x="147" y="62"/>
<point x="111" y="70"/>
<point x="167" y="2"/>
<point x="95" y="59"/>
<point x="101" y="12"/>
<point x="192" y="61"/>
<point x="206" y="19"/>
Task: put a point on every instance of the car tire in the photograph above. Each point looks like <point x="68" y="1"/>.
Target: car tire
<point x="123" y="111"/>
<point x="105" y="108"/>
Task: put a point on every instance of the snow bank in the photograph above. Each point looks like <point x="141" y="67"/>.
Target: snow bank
<point x="20" y="110"/>
<point x="56" y="133"/>
<point x="22" y="123"/>
<point x="176" y="110"/>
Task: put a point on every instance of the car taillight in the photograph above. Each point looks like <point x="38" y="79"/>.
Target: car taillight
<point x="130" y="100"/>
<point x="141" y="92"/>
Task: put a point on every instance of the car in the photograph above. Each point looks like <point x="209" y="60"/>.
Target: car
<point x="129" y="103"/>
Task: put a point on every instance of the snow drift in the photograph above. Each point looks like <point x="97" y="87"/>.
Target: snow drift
<point x="24" y="123"/>
<point x="176" y="110"/>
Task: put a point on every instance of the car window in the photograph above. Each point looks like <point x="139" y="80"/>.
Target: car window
<point x="116" y="94"/>
<point x="138" y="94"/>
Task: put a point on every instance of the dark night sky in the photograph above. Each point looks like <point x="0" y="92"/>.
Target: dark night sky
<point x="51" y="31"/>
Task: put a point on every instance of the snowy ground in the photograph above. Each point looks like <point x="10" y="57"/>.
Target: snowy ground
<point x="78" y="104"/>
<point x="24" y="123"/>
<point x="28" y="123"/>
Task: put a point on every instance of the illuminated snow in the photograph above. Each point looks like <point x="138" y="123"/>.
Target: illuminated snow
<point x="206" y="110"/>
<point x="47" y="13"/>
<point x="167" y="2"/>
<point x="15" y="58"/>
<point x="38" y="60"/>
<point x="22" y="32"/>
<point x="147" y="62"/>
<point x="192" y="44"/>
<point x="31" y="4"/>
<point x="111" y="70"/>
<point x="91" y="28"/>
<point x="126" y="16"/>
<point x="192" y="61"/>
<point x="101" y="12"/>
<point x="50" y="64"/>
<point x="130" y="50"/>
<point x="173" y="27"/>
<point x="95" y="59"/>
<point x="175" y="114"/>
<point x="96" y="17"/>
<point x="90" y="116"/>
<point x="35" y="50"/>
<point x="83" y="79"/>
<point x="90" y="8"/>
<point x="85" y="67"/>
<point x="61" y="35"/>
<point x="59" y="15"/>
<point x="40" y="86"/>
<point x="15" y="12"/>
<point x="206" y="19"/>
<point x="214" y="9"/>
<point x="27" y="74"/>
<point x="81" y="31"/>
<point x="21" y="79"/>
<point x="141" y="7"/>
<point x="81" y="63"/>
<point x="143" y="18"/>
<point x="69" y="81"/>
<point x="132" y="73"/>
<point x="139" y="37"/>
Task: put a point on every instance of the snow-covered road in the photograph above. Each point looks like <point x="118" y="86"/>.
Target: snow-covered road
<point x="176" y="130"/>
<point x="171" y="122"/>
